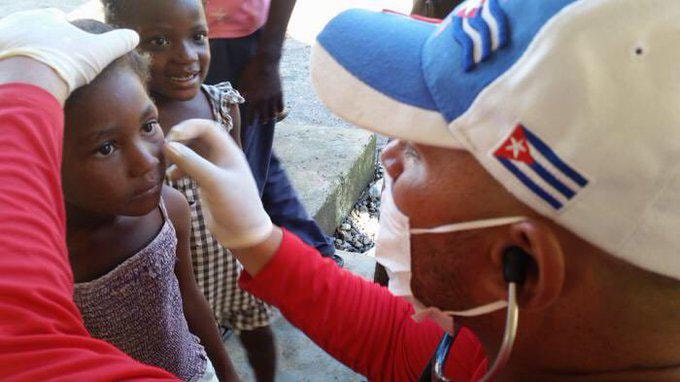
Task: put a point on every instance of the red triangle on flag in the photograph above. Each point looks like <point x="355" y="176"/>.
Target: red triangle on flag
<point x="516" y="147"/>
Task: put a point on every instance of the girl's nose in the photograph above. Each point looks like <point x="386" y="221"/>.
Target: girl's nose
<point x="392" y="158"/>
<point x="143" y="159"/>
<point x="186" y="52"/>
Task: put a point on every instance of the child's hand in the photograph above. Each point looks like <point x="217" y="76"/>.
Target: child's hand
<point x="76" y="56"/>
<point x="229" y="195"/>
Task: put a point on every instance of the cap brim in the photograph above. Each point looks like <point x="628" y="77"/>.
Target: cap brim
<point x="367" y="68"/>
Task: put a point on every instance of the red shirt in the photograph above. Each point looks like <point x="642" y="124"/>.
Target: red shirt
<point x="356" y="321"/>
<point x="42" y="336"/>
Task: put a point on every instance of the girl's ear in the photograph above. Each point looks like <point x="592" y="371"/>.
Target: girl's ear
<point x="545" y="269"/>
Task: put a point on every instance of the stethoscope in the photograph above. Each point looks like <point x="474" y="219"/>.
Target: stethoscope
<point x="514" y="271"/>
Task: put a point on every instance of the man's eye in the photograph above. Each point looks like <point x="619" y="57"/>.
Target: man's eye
<point x="150" y="127"/>
<point x="200" y="37"/>
<point x="106" y="149"/>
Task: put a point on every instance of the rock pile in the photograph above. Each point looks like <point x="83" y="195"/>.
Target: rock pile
<point x="357" y="232"/>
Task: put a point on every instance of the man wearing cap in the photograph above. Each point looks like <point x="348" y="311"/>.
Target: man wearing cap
<point x="537" y="165"/>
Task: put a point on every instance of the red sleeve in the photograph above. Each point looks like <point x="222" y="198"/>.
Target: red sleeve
<point x="356" y="321"/>
<point x="41" y="332"/>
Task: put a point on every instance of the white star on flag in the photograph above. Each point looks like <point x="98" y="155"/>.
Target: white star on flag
<point x="517" y="146"/>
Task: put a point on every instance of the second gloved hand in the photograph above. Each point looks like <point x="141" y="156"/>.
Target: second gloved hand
<point x="229" y="195"/>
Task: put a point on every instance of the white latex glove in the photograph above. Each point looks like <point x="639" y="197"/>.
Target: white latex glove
<point x="233" y="210"/>
<point x="75" y="55"/>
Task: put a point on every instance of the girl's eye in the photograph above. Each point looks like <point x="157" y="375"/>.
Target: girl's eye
<point x="159" y="41"/>
<point x="150" y="128"/>
<point x="200" y="37"/>
<point x="106" y="149"/>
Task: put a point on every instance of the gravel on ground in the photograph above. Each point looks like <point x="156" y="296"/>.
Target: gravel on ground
<point x="358" y="231"/>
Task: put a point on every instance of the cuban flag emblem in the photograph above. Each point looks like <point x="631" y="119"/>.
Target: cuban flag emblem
<point x="539" y="168"/>
<point x="481" y="28"/>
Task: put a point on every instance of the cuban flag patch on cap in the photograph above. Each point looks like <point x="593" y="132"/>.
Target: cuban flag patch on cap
<point x="539" y="168"/>
<point x="481" y="28"/>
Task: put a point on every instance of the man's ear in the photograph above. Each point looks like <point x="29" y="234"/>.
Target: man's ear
<point x="545" y="269"/>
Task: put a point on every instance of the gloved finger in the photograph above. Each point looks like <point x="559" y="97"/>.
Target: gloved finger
<point x="192" y="164"/>
<point x="193" y="129"/>
<point x="117" y="43"/>
<point x="218" y="146"/>
<point x="174" y="173"/>
<point x="213" y="142"/>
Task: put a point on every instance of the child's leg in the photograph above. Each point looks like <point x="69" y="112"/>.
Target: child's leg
<point x="261" y="349"/>
<point x="251" y="317"/>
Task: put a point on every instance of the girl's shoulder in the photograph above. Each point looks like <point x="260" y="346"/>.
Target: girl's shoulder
<point x="223" y="93"/>
<point x="224" y="101"/>
<point x="176" y="207"/>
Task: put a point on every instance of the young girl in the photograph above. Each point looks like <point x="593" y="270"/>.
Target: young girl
<point x="174" y="33"/>
<point x="127" y="234"/>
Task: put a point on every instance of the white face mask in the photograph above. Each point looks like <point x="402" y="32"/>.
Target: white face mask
<point x="393" y="251"/>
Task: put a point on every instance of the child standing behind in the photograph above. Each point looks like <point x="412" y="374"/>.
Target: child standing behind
<point x="127" y="234"/>
<point x="174" y="33"/>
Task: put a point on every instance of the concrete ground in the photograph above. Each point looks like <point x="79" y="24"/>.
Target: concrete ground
<point x="328" y="160"/>
<point x="299" y="358"/>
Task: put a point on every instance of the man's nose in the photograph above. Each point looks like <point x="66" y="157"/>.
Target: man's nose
<point x="392" y="158"/>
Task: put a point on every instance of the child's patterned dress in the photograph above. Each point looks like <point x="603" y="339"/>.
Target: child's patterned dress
<point x="137" y="307"/>
<point x="216" y="269"/>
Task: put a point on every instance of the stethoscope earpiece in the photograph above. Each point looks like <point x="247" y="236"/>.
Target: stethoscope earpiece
<point x="515" y="262"/>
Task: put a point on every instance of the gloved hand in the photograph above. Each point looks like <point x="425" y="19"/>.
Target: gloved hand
<point x="233" y="210"/>
<point x="75" y="55"/>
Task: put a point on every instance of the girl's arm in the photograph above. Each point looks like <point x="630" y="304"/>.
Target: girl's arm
<point x="196" y="309"/>
<point x="236" y="120"/>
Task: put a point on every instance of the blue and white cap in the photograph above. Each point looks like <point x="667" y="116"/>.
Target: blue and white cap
<point x="572" y="105"/>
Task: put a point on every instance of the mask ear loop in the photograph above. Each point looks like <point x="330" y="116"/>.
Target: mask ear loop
<point x="511" y="323"/>
<point x="515" y="262"/>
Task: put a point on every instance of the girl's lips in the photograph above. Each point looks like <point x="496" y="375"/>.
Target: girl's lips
<point x="185" y="79"/>
<point x="148" y="192"/>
